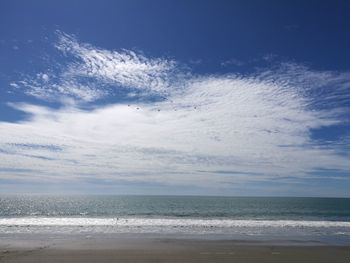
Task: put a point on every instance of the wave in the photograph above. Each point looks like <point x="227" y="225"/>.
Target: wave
<point x="164" y="222"/>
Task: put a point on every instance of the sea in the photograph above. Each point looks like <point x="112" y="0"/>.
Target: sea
<point x="308" y="220"/>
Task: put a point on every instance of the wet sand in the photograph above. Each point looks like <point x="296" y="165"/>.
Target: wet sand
<point x="164" y="250"/>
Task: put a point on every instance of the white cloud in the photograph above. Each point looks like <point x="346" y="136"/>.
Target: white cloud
<point x="93" y="73"/>
<point x="211" y="131"/>
<point x="218" y="124"/>
<point x="234" y="62"/>
<point x="44" y="77"/>
<point x="125" y="67"/>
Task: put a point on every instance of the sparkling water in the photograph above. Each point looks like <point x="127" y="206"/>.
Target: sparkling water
<point x="256" y="218"/>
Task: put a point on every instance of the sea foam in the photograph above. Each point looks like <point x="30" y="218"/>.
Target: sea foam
<point x="163" y="222"/>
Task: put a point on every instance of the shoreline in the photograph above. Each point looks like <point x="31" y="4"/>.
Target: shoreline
<point x="127" y="249"/>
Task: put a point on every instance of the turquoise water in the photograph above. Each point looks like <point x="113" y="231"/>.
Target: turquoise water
<point x="303" y="219"/>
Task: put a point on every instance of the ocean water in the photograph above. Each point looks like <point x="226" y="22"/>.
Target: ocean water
<point x="241" y="218"/>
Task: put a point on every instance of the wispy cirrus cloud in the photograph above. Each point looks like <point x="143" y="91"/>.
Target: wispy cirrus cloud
<point x="210" y="131"/>
<point x="125" y="68"/>
<point x="88" y="73"/>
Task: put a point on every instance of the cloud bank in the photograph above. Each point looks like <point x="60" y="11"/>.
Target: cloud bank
<point x="179" y="128"/>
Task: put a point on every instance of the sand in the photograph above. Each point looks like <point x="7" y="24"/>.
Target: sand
<point x="90" y="249"/>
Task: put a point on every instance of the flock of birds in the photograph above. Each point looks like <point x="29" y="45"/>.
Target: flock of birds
<point x="166" y="99"/>
<point x="137" y="108"/>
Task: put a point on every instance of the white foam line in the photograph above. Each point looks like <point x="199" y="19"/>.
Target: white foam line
<point x="166" y="222"/>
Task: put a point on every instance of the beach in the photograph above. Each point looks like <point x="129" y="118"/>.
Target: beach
<point x="139" y="249"/>
<point x="173" y="229"/>
<point x="174" y="131"/>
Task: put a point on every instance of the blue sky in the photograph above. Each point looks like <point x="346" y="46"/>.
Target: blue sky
<point x="175" y="97"/>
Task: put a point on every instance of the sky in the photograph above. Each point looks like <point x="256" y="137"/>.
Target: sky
<point x="242" y="98"/>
